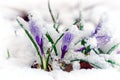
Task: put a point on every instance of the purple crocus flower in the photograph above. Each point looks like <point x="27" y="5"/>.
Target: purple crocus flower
<point x="34" y="29"/>
<point x="67" y="39"/>
<point x="102" y="40"/>
<point x="98" y="27"/>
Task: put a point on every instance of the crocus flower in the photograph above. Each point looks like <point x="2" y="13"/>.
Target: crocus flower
<point x="102" y="40"/>
<point x="67" y="39"/>
<point x="98" y="27"/>
<point x="34" y="29"/>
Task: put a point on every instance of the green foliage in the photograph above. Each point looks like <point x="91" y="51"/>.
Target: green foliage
<point x="52" y="42"/>
<point x="100" y="51"/>
<point x="113" y="63"/>
<point x="8" y="54"/>
<point x="83" y="42"/>
<point x="81" y="27"/>
<point x="56" y="26"/>
<point x="88" y="49"/>
<point x="33" y="42"/>
<point x="49" y="7"/>
<point x="113" y="48"/>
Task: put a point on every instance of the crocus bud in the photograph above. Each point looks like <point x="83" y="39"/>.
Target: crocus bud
<point x="67" y="39"/>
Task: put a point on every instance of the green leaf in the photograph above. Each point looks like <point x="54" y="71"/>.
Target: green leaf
<point x="48" y="51"/>
<point x="83" y="42"/>
<point x="113" y="48"/>
<point x="76" y="22"/>
<point x="49" y="38"/>
<point x="111" y="62"/>
<point x="88" y="49"/>
<point x="56" y="26"/>
<point x="81" y="27"/>
<point x="100" y="51"/>
<point x="55" y="49"/>
<point x="8" y="54"/>
<point x="52" y="42"/>
<point x="95" y="51"/>
<point x="33" y="42"/>
<point x="59" y="38"/>
<point x="49" y="7"/>
<point x="57" y="42"/>
<point x="75" y="60"/>
<point x="47" y="61"/>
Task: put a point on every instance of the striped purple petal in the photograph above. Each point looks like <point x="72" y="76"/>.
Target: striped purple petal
<point x="98" y="27"/>
<point x="102" y="40"/>
<point x="34" y="29"/>
<point x="64" y="50"/>
<point x="66" y="40"/>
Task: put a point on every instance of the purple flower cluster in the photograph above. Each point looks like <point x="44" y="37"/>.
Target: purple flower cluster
<point x="101" y="39"/>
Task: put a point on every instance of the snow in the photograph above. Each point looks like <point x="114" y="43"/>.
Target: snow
<point x="23" y="74"/>
<point x="12" y="38"/>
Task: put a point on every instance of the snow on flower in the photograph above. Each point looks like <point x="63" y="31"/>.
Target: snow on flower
<point x="102" y="40"/>
<point x="92" y="42"/>
<point x="54" y="45"/>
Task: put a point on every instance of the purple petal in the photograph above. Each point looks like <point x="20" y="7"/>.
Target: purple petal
<point x="98" y="27"/>
<point x="34" y="29"/>
<point x="81" y="49"/>
<point x="40" y="43"/>
<point x="118" y="52"/>
<point x="102" y="40"/>
<point x="67" y="39"/>
<point x="64" y="50"/>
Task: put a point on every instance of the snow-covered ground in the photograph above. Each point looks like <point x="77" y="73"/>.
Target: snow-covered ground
<point x="12" y="38"/>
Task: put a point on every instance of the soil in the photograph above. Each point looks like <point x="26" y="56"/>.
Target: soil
<point x="85" y="65"/>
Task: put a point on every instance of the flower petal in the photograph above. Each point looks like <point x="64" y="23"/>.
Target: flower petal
<point x="34" y="29"/>
<point x="67" y="39"/>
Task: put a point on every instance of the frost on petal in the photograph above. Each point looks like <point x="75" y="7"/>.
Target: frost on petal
<point x="67" y="39"/>
<point x="103" y="40"/>
<point x="34" y="28"/>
